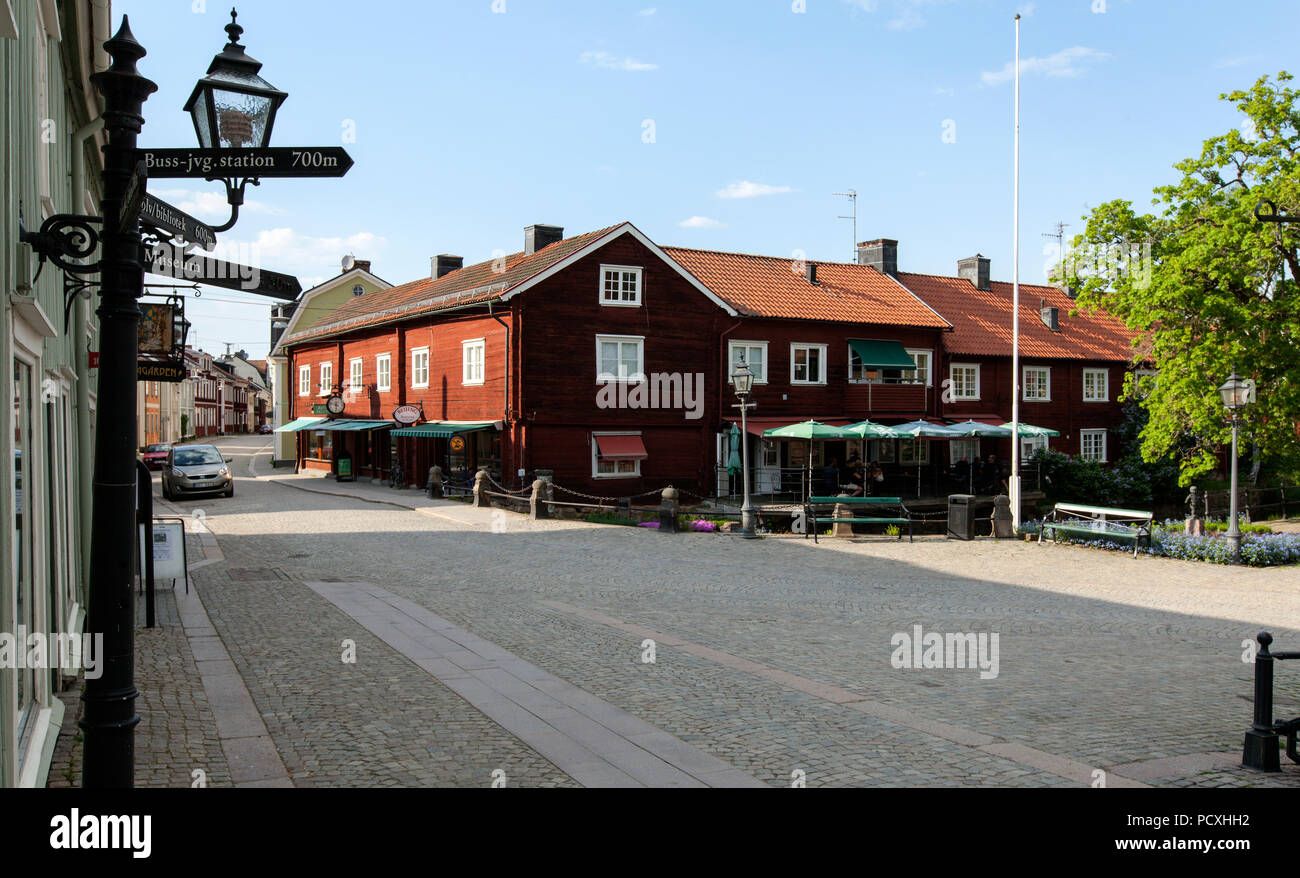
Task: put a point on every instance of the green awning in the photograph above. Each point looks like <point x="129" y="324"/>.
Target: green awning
<point x="439" y="430"/>
<point x="354" y="426"/>
<point x="300" y="424"/>
<point x="882" y="354"/>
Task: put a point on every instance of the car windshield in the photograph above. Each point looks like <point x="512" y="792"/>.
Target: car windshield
<point x="158" y="448"/>
<point x="196" y="456"/>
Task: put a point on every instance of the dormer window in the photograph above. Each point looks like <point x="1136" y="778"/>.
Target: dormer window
<point x="620" y="286"/>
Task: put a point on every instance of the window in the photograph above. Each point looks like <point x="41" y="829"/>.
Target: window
<point x="612" y="469"/>
<point x="1093" y="444"/>
<point x="921" y="374"/>
<point x="356" y="379"/>
<point x="620" y="285"/>
<point x="769" y="455"/>
<point x="860" y="374"/>
<point x="383" y="372"/>
<point x="472" y="353"/>
<point x="1096" y="385"/>
<point x="420" y="367"/>
<point x="753" y="354"/>
<point x="326" y="378"/>
<point x="620" y="358"/>
<point x="964" y="449"/>
<point x="807" y="364"/>
<point x="1029" y="446"/>
<point x="965" y="380"/>
<point x="304" y="383"/>
<point x="913" y="453"/>
<point x="1037" y="384"/>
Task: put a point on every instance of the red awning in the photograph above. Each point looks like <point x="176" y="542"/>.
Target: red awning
<point x="758" y="425"/>
<point x="621" y="448"/>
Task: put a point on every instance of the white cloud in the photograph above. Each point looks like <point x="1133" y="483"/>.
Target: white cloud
<point x="946" y="92"/>
<point x="701" y="222"/>
<point x="746" y="189"/>
<point x="212" y="205"/>
<point x="1065" y="63"/>
<point x="304" y="256"/>
<point x="608" y="61"/>
<point x="1228" y="63"/>
<point x="645" y="13"/>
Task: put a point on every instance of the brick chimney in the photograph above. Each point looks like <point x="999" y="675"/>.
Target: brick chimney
<point x="540" y="237"/>
<point x="976" y="270"/>
<point x="363" y="264"/>
<point x="881" y="254"/>
<point x="444" y="264"/>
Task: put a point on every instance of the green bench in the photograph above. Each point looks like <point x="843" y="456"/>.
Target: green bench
<point x="859" y="507"/>
<point x="1097" y="522"/>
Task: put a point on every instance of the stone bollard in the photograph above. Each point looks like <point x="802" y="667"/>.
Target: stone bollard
<point x="538" y="503"/>
<point x="481" y="498"/>
<point x="1003" y="525"/>
<point x="669" y="508"/>
<point x="842" y="528"/>
<point x="435" y="482"/>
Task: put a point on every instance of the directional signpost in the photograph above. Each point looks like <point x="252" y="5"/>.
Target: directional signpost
<point x="271" y="161"/>
<point x="134" y="195"/>
<point x="160" y="215"/>
<point x="170" y="261"/>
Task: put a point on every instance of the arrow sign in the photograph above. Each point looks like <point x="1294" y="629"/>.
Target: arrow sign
<point x="161" y="215"/>
<point x="279" y="161"/>
<point x="169" y="261"/>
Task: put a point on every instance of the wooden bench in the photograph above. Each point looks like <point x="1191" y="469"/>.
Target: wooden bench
<point x="1098" y="522"/>
<point x="858" y="506"/>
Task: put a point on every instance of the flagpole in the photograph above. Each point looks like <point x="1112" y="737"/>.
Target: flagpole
<point x="1013" y="485"/>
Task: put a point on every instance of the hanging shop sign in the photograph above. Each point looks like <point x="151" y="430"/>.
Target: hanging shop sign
<point x="406" y="415"/>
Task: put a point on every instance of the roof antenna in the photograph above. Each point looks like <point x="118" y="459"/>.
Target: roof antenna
<point x="1059" y="235"/>
<point x="852" y="195"/>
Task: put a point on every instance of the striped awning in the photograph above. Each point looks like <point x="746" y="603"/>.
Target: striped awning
<point x="299" y="424"/>
<point x="439" y="430"/>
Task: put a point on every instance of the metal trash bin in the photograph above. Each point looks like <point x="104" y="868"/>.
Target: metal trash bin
<point x="961" y="517"/>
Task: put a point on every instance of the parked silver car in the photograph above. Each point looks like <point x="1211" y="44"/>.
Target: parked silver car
<point x="197" y="469"/>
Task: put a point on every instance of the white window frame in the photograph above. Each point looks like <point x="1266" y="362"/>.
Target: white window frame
<point x="416" y="353"/>
<point x="955" y="446"/>
<point x="384" y="372"/>
<point x="474" y="344"/>
<point x="1105" y="443"/>
<point x="929" y="365"/>
<point x="1105" y="385"/>
<point x="356" y="373"/>
<point x="803" y="345"/>
<point x="633" y="377"/>
<point x="595" y="460"/>
<point x="326" y="378"/>
<point x="1029" y="446"/>
<point x="909" y="447"/>
<point x="304" y="383"/>
<point x="747" y="346"/>
<point x="952" y="376"/>
<point x="1024" y="384"/>
<point x="621" y="269"/>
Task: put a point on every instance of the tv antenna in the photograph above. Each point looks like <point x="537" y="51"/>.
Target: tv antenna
<point x="1059" y="235"/>
<point x="852" y="195"/>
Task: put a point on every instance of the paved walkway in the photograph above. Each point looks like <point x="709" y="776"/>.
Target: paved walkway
<point x="383" y="638"/>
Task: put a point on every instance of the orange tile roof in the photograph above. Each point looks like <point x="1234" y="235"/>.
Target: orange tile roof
<point x="470" y="285"/>
<point x="766" y="286"/>
<point x="981" y="321"/>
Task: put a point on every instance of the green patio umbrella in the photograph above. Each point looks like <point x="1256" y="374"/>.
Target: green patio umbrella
<point x="812" y="431"/>
<point x="865" y="430"/>
<point x="733" y="462"/>
<point x="1031" y="430"/>
<point x="974" y="429"/>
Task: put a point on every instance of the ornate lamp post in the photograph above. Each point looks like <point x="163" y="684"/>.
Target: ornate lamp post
<point x="1236" y="393"/>
<point x="743" y="379"/>
<point x="234" y="108"/>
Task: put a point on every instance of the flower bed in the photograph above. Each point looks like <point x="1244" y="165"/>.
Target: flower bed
<point x="1169" y="540"/>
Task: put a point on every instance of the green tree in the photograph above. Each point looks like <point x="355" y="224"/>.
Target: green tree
<point x="1220" y="291"/>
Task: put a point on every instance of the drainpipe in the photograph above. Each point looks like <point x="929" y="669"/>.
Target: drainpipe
<point x="506" y="387"/>
<point x="81" y="320"/>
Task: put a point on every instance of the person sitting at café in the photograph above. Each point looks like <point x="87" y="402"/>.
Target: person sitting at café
<point x="852" y="480"/>
<point x="831" y="477"/>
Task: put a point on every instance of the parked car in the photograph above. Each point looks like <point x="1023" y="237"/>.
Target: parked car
<point x="197" y="469"/>
<point x="155" y="456"/>
<point x="263" y="428"/>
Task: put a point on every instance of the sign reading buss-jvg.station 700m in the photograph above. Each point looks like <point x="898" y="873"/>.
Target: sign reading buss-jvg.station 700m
<point x="277" y="161"/>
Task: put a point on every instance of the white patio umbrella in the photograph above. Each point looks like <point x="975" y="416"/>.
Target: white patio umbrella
<point x="919" y="430"/>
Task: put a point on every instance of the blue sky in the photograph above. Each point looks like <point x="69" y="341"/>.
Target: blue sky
<point x="472" y="123"/>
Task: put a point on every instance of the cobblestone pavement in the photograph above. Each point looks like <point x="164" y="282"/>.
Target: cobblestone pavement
<point x="773" y="656"/>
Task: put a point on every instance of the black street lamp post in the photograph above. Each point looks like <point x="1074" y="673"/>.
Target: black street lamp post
<point x="743" y="379"/>
<point x="1235" y="393"/>
<point x="109" y="718"/>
